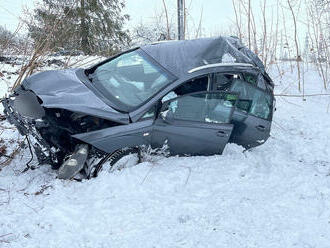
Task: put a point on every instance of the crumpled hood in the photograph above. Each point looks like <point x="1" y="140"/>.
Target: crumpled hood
<point x="63" y="89"/>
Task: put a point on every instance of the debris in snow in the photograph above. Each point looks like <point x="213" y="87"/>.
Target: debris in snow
<point x="43" y="189"/>
<point x="56" y="62"/>
<point x="3" y="148"/>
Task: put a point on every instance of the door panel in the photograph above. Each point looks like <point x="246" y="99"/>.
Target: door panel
<point x="113" y="138"/>
<point x="195" y="124"/>
<point x="187" y="138"/>
<point x="256" y="104"/>
<point x="253" y="131"/>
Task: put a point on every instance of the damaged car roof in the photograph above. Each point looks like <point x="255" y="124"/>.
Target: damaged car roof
<point x="179" y="57"/>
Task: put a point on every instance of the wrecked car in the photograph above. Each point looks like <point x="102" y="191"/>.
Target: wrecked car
<point x="193" y="95"/>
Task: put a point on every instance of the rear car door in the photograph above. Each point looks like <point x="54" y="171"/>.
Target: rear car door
<point x="195" y="124"/>
<point x="256" y="104"/>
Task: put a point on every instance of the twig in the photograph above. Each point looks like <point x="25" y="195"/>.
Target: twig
<point x="5" y="241"/>
<point x="8" y="200"/>
<point x="147" y="173"/>
<point x="310" y="95"/>
<point x="189" y="173"/>
<point x="5" y="155"/>
<point x="4" y="235"/>
<point x="11" y="156"/>
<point x="296" y="43"/>
<point x="167" y="21"/>
<point x="285" y="100"/>
<point x="199" y="29"/>
<point x="30" y="207"/>
<point x="43" y="189"/>
<point x="280" y="126"/>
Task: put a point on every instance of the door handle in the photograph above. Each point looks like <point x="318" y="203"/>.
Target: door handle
<point x="221" y="134"/>
<point x="261" y="128"/>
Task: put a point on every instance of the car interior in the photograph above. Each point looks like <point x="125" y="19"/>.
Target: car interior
<point x="196" y="108"/>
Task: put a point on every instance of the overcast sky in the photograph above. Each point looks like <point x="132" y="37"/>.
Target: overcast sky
<point x="10" y="11"/>
<point x="216" y="13"/>
<point x="217" y="18"/>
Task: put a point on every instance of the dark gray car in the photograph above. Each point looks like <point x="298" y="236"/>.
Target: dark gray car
<point x="195" y="96"/>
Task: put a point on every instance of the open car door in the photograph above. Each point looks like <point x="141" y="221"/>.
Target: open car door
<point x="256" y="105"/>
<point x="195" y="124"/>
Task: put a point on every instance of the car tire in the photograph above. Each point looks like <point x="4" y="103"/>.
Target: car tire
<point x="119" y="155"/>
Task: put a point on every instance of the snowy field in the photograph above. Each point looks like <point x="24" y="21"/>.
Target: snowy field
<point x="276" y="195"/>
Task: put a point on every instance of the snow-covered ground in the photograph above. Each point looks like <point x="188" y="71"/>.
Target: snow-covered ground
<point x="276" y="195"/>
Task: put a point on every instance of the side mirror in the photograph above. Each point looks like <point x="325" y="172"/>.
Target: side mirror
<point x="167" y="116"/>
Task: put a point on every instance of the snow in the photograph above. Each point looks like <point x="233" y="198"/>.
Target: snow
<point x="276" y="195"/>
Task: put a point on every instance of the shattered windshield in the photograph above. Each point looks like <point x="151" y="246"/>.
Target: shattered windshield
<point x="130" y="78"/>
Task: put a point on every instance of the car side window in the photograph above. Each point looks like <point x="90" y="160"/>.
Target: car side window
<point x="251" y="78"/>
<point x="223" y="81"/>
<point x="252" y="100"/>
<point x="261" y="82"/>
<point x="191" y="86"/>
<point x="208" y="107"/>
<point x="194" y="85"/>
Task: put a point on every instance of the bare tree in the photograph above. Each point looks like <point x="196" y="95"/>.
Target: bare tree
<point x="257" y="37"/>
<point x="238" y="19"/>
<point x="298" y="56"/>
<point x="249" y="23"/>
<point x="318" y="23"/>
<point x="167" y="21"/>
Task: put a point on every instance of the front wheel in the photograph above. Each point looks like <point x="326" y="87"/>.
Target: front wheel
<point x="122" y="158"/>
<point x="125" y="158"/>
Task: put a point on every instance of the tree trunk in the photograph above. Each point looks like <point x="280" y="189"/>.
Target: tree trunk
<point x="249" y="24"/>
<point x="84" y="29"/>
<point x="296" y="43"/>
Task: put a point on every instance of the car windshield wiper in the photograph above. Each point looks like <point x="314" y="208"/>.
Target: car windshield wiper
<point x="90" y="77"/>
